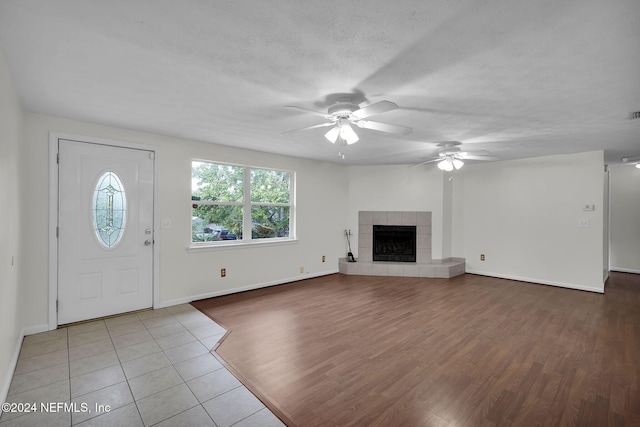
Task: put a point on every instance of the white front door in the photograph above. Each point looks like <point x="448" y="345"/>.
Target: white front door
<point x="105" y="236"/>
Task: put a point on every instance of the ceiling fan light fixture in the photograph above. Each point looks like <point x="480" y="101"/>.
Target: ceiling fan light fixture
<point x="333" y="134"/>
<point x="449" y="163"/>
<point x="446" y="165"/>
<point x="342" y="133"/>
<point x="347" y="133"/>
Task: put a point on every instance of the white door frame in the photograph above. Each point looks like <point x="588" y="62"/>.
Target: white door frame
<point x="53" y="214"/>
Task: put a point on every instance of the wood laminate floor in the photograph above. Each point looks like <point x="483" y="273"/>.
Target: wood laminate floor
<point x="382" y="351"/>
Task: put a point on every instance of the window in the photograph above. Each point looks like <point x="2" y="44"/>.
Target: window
<point x="109" y="210"/>
<point x="234" y="203"/>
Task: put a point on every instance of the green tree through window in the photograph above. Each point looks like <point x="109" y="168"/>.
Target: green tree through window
<point x="231" y="202"/>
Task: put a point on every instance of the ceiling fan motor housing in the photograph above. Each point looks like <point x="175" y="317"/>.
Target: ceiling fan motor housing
<point x="343" y="107"/>
<point x="449" y="150"/>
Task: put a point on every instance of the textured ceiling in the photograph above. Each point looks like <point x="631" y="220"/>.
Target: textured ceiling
<point x="517" y="78"/>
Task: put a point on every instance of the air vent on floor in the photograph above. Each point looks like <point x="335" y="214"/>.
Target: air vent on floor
<point x="634" y="115"/>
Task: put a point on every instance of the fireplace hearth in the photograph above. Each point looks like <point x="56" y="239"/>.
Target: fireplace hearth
<point x="396" y="243"/>
<point x="422" y="266"/>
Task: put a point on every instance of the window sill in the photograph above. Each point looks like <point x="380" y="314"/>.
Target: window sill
<point x="238" y="245"/>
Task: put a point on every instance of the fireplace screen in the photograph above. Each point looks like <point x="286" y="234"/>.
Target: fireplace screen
<point x="394" y="243"/>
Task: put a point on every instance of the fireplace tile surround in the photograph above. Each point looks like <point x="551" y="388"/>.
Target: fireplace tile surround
<point x="424" y="266"/>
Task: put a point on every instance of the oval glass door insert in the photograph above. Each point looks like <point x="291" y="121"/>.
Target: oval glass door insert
<point x="109" y="210"/>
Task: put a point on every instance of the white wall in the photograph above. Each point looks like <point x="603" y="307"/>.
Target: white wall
<point x="184" y="275"/>
<point x="10" y="239"/>
<point x="524" y="215"/>
<point x="397" y="188"/>
<point x="447" y="214"/>
<point x="625" y="219"/>
<point x="605" y="225"/>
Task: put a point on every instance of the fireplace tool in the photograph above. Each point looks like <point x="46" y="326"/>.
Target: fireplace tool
<point x="350" y="257"/>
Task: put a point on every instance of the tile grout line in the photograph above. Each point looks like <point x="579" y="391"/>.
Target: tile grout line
<point x="183" y="321"/>
<point x="123" y="373"/>
<point x="172" y="365"/>
<point x="184" y="381"/>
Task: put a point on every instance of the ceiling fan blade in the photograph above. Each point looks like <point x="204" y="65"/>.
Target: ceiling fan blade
<point x="474" y="153"/>
<point x="428" y="161"/>
<point x="376" y="108"/>
<point x="306" y="110"/>
<point x="321" y="125"/>
<point x="384" y="127"/>
<point x="470" y="157"/>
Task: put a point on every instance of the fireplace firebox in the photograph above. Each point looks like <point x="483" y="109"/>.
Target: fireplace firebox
<point x="394" y="243"/>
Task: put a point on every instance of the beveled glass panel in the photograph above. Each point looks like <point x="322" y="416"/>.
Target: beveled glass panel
<point x="109" y="210"/>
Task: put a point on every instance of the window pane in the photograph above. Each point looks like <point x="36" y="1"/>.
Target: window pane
<point x="269" y="221"/>
<point x="216" y="182"/>
<point x="109" y="209"/>
<point x="214" y="223"/>
<point x="270" y="186"/>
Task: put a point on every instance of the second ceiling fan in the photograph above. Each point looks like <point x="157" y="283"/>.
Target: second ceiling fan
<point x="345" y="113"/>
<point x="451" y="156"/>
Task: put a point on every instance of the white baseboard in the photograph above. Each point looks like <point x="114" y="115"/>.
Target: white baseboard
<point x="35" y="329"/>
<point x="4" y="391"/>
<point x="624" y="270"/>
<point x="537" y="281"/>
<point x="186" y="300"/>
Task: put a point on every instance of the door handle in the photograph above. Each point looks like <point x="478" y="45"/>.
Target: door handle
<point x="147" y="242"/>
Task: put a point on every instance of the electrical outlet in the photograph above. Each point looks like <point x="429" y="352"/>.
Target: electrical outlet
<point x="223" y="272"/>
<point x="301" y="269"/>
<point x="481" y="257"/>
<point x="323" y="258"/>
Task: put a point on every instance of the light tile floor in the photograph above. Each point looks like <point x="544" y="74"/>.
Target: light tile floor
<point x="152" y="368"/>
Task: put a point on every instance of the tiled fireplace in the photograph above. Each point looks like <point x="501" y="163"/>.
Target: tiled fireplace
<point x="424" y="265"/>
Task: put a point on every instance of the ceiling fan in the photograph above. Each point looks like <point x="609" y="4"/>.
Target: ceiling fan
<point x="345" y="113"/>
<point x="635" y="160"/>
<point x="452" y="157"/>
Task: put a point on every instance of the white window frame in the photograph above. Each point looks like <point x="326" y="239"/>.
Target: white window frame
<point x="247" y="204"/>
